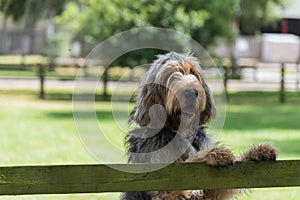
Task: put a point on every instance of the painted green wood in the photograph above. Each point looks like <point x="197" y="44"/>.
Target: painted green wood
<point x="101" y="178"/>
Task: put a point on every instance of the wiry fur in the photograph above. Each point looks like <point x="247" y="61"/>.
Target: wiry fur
<point x="172" y="106"/>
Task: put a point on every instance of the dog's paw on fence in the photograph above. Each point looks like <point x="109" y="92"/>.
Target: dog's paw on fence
<point x="261" y="152"/>
<point x="217" y="156"/>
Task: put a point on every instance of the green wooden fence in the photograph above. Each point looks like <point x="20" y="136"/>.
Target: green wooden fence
<point x="64" y="179"/>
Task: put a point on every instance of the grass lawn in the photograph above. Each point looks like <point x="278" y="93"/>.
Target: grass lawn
<point x="43" y="132"/>
<point x="115" y="73"/>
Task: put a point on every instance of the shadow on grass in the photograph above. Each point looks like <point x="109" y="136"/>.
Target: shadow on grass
<point x="62" y="95"/>
<point x="101" y="115"/>
<point x="69" y="97"/>
<point x="98" y="97"/>
<point x="240" y="98"/>
<point x="245" y="111"/>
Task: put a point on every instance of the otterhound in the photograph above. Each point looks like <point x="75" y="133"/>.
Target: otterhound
<point x="173" y="104"/>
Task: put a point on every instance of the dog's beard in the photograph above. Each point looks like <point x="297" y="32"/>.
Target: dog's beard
<point x="189" y="110"/>
<point x="185" y="113"/>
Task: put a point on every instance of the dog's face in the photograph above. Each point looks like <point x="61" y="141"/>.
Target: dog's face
<point x="185" y="94"/>
<point x="176" y="88"/>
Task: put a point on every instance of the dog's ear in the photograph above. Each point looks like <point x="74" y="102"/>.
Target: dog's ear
<point x="210" y="109"/>
<point x="149" y="110"/>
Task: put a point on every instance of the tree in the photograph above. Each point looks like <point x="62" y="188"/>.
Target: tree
<point x="252" y="15"/>
<point x="13" y="8"/>
<point x="98" y="19"/>
<point x="204" y="21"/>
<point x="30" y="11"/>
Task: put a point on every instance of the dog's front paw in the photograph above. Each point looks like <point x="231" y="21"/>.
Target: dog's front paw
<point x="262" y="152"/>
<point x="219" y="157"/>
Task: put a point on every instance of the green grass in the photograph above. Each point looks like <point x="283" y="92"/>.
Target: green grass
<point x="16" y="59"/>
<point x="34" y="74"/>
<point x="17" y="73"/>
<point x="256" y="117"/>
<point x="37" y="131"/>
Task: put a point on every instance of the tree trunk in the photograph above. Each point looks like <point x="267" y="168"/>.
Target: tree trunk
<point x="235" y="68"/>
<point x="105" y="82"/>
<point x="3" y="46"/>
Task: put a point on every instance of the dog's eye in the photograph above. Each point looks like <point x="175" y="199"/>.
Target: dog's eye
<point x="181" y="70"/>
<point x="193" y="73"/>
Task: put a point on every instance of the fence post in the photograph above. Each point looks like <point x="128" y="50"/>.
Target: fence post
<point x="282" y="89"/>
<point x="226" y="77"/>
<point x="41" y="72"/>
<point x="298" y="75"/>
<point x="105" y="82"/>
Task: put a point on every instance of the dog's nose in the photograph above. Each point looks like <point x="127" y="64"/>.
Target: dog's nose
<point x="191" y="93"/>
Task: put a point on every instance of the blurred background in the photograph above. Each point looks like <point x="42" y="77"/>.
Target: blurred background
<point x="255" y="46"/>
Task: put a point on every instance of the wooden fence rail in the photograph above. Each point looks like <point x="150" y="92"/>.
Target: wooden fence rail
<point x="64" y="179"/>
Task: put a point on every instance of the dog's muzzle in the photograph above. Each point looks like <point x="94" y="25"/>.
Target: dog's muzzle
<point x="190" y="96"/>
<point x="191" y="93"/>
<point x="189" y="110"/>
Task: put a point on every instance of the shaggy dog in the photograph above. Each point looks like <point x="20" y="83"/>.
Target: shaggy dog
<point x="173" y="104"/>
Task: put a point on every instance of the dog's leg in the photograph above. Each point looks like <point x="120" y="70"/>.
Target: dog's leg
<point x="179" y="195"/>
<point x="262" y="152"/>
<point x="217" y="156"/>
<point x="136" y="196"/>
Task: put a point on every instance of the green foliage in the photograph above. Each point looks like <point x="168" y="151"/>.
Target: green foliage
<point x="204" y="21"/>
<point x="96" y="20"/>
<point x="251" y="15"/>
<point x="57" y="45"/>
<point x="14" y="8"/>
<point x="43" y="8"/>
<point x="31" y="10"/>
